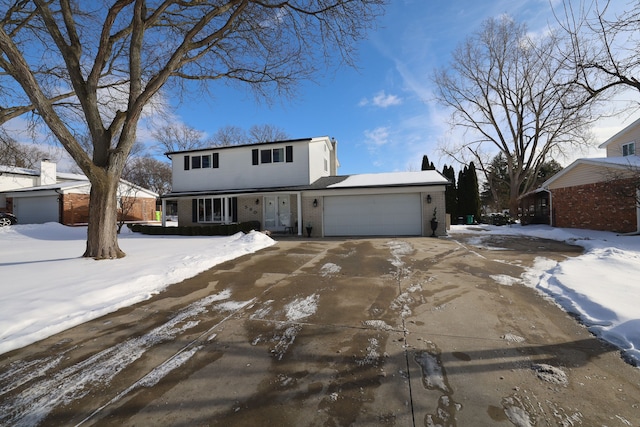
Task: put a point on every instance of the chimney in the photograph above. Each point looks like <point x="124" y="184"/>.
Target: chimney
<point x="47" y="172"/>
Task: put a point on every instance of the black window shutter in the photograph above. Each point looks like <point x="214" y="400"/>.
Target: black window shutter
<point x="216" y="160"/>
<point x="254" y="155"/>
<point x="234" y="209"/>
<point x="194" y="210"/>
<point x="289" y="153"/>
<point x="187" y="162"/>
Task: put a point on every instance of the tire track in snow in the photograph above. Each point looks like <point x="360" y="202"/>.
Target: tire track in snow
<point x="34" y="403"/>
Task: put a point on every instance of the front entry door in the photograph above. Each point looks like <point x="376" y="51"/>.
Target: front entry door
<point x="277" y="213"/>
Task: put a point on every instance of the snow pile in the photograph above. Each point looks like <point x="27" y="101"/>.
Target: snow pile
<point x="47" y="287"/>
<point x="600" y="286"/>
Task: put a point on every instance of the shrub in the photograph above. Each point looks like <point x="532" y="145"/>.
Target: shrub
<point x="196" y="230"/>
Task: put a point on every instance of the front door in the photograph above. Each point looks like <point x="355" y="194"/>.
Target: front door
<point x="277" y="213"/>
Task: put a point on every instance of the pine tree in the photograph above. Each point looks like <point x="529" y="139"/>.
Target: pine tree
<point x="451" y="193"/>
<point x="426" y="165"/>
<point x="468" y="193"/>
<point x="474" y="193"/>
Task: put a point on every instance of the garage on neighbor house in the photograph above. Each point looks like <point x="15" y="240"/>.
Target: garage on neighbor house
<point x="373" y="215"/>
<point x="37" y="210"/>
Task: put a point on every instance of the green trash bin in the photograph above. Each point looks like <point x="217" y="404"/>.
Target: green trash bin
<point x="158" y="215"/>
<point x="469" y="219"/>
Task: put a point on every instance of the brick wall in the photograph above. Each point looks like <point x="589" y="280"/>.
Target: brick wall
<point x="600" y="206"/>
<point x="75" y="209"/>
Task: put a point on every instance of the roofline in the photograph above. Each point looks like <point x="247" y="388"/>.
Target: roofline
<point x="584" y="161"/>
<point x="304" y="188"/>
<point x="226" y="147"/>
<point x="624" y="129"/>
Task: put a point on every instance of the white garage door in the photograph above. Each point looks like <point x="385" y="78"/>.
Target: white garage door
<point x="36" y="210"/>
<point x="373" y="215"/>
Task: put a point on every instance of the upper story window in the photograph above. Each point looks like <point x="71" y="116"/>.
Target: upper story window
<point x="272" y="155"/>
<point x="202" y="162"/>
<point x="629" y="149"/>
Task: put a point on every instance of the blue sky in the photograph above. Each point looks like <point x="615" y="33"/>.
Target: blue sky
<point x="382" y="114"/>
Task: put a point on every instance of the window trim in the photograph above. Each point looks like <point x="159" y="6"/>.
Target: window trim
<point x="203" y="210"/>
<point x="630" y="148"/>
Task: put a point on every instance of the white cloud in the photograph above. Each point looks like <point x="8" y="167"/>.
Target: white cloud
<point x="381" y="100"/>
<point x="377" y="137"/>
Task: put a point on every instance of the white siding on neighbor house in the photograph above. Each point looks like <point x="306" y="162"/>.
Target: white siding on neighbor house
<point x="625" y="136"/>
<point x="373" y="215"/>
<point x="583" y="174"/>
<point x="36" y="210"/>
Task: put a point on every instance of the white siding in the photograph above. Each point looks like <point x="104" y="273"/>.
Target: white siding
<point x="236" y="170"/>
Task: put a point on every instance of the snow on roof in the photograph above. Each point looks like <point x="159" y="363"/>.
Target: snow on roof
<point x="65" y="176"/>
<point x="17" y="171"/>
<point x="58" y="186"/>
<point x="429" y="177"/>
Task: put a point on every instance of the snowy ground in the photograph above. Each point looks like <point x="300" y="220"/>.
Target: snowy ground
<point x="601" y="287"/>
<point x="46" y="288"/>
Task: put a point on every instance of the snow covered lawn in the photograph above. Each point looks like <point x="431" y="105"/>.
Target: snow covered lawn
<point x="601" y="286"/>
<point x="46" y="287"/>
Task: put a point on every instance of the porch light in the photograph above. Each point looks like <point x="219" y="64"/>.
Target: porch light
<point x="429" y="198"/>
<point x="315" y="203"/>
<point x="257" y="201"/>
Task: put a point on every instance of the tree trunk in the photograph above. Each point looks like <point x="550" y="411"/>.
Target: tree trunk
<point x="102" y="232"/>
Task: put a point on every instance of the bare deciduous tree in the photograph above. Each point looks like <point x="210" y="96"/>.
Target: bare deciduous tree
<point x="138" y="47"/>
<point x="149" y="173"/>
<point x="13" y="153"/>
<point x="266" y="133"/>
<point x="603" y="54"/>
<point x="506" y="89"/>
<point x="229" y="135"/>
<point x="178" y="137"/>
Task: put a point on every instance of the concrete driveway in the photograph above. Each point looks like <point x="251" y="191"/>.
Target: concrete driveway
<point x="387" y="331"/>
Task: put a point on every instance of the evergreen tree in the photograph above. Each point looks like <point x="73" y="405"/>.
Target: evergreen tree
<point x="468" y="192"/>
<point x="451" y="193"/>
<point x="474" y="193"/>
<point x="426" y="165"/>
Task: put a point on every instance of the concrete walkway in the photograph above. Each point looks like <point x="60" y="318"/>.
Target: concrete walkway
<point x="388" y="331"/>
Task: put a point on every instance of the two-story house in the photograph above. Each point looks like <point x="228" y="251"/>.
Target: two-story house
<point x="290" y="185"/>
<point x="600" y="193"/>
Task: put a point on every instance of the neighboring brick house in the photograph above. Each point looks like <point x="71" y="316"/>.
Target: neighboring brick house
<point x="45" y="195"/>
<point x="600" y="193"/>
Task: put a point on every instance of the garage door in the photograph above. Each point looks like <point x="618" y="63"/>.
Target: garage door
<point x="373" y="215"/>
<point x="36" y="210"/>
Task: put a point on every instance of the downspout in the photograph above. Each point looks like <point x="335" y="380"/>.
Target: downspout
<point x="299" y="203"/>
<point x="163" y="213"/>
<point x="60" y="206"/>
<point x="550" y="206"/>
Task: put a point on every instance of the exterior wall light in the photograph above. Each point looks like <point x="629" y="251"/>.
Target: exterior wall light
<point x="429" y="198"/>
<point x="315" y="203"/>
<point x="257" y="201"/>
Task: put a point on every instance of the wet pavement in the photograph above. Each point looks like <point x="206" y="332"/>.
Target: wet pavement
<point x="385" y="331"/>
